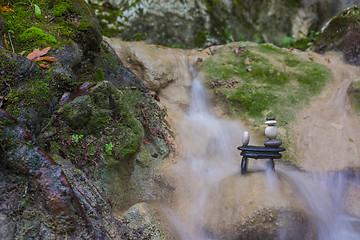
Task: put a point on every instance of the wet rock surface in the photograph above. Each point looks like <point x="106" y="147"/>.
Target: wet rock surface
<point x="264" y="212"/>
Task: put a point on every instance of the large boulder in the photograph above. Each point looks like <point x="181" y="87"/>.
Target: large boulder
<point x="342" y="33"/>
<point x="238" y="210"/>
<point x="200" y="23"/>
<point x="70" y="132"/>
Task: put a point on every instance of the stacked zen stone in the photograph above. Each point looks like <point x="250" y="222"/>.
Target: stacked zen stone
<point x="271" y="132"/>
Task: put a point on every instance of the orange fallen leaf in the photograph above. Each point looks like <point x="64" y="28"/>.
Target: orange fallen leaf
<point x="7" y="8"/>
<point x="37" y="53"/>
<point x="311" y="59"/>
<point x="327" y="59"/>
<point x="5" y="42"/>
<point x="43" y="65"/>
<point x="49" y="59"/>
<point x="159" y="46"/>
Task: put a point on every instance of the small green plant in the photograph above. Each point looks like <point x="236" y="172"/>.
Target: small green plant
<point x="108" y="148"/>
<point x="75" y="138"/>
<point x="37" y="9"/>
<point x="288" y="41"/>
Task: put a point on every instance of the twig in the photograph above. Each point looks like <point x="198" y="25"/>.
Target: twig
<point x="8" y="86"/>
<point x="11" y="43"/>
<point x="51" y="119"/>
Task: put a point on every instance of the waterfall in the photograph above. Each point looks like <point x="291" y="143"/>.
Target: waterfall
<point x="209" y="157"/>
<point x="324" y="196"/>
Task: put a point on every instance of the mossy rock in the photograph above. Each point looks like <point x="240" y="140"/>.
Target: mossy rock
<point x="342" y="34"/>
<point x="261" y="79"/>
<point x="15" y="70"/>
<point x="354" y="92"/>
<point x="254" y="81"/>
<point x="105" y="114"/>
<point x="144" y="222"/>
<point x="59" y="23"/>
<point x="96" y="136"/>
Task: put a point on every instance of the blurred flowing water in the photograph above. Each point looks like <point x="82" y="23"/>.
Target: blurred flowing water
<point x="324" y="196"/>
<point x="209" y="155"/>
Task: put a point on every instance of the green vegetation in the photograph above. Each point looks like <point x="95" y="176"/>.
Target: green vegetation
<point x="47" y="26"/>
<point x="259" y="81"/>
<point x="109" y="148"/>
<point x="75" y="138"/>
<point x="36" y="37"/>
<point x="300" y="43"/>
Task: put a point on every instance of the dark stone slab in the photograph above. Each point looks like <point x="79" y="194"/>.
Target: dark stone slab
<point x="261" y="149"/>
<point x="270" y="118"/>
<point x="261" y="155"/>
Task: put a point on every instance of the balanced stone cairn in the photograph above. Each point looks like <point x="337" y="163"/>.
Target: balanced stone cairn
<point x="271" y="132"/>
<point x="271" y="150"/>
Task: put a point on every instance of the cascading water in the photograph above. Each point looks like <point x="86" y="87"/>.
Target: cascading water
<point x="324" y="197"/>
<point x="209" y="158"/>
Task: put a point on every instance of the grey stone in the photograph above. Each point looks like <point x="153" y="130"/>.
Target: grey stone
<point x="273" y="143"/>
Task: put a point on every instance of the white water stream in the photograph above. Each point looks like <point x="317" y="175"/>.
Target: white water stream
<point x="324" y="197"/>
<point x="209" y="158"/>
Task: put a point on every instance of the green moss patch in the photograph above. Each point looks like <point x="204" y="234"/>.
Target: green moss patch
<point x="36" y="37"/>
<point x="59" y="23"/>
<point x="270" y="81"/>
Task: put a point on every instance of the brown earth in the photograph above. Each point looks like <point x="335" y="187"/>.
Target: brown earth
<point x="327" y="132"/>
